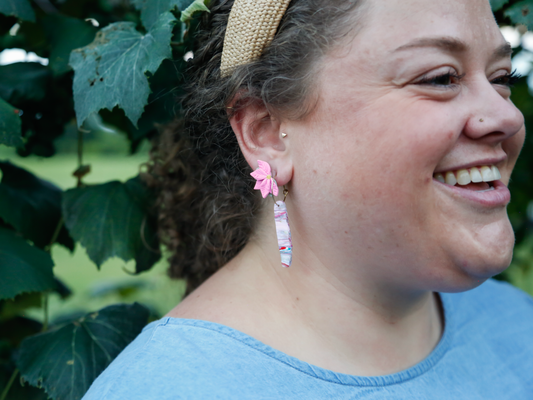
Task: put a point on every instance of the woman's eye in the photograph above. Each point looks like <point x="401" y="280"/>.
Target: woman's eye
<point x="448" y="79"/>
<point x="508" y="80"/>
<point x="443" y="80"/>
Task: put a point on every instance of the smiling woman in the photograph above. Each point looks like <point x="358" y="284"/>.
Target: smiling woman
<point x="389" y="124"/>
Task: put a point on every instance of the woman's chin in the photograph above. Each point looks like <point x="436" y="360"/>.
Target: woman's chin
<point x="470" y="273"/>
<point x="470" y="268"/>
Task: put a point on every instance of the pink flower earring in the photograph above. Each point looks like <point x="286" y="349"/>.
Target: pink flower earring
<point x="265" y="182"/>
<point x="268" y="185"/>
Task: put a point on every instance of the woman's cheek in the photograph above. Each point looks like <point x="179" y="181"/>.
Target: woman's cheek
<point x="513" y="146"/>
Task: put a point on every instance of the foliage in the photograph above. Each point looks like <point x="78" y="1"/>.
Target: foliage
<point x="24" y="267"/>
<point x="127" y="69"/>
<point x="20" y="8"/>
<point x="79" y="350"/>
<point x="110" y="220"/>
<point x="32" y="206"/>
<point x="521" y="13"/>
<point x="119" y="57"/>
<point x="9" y="125"/>
<point x="498" y="4"/>
<point x="120" y="62"/>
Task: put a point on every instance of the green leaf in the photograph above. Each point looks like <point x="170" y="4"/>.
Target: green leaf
<point x="111" y="70"/>
<point x="68" y="358"/>
<point x="151" y="10"/>
<point x="23" y="268"/>
<point x="166" y="85"/>
<point x="111" y="220"/>
<point x="497" y="4"/>
<point x="521" y="13"/>
<point x="24" y="82"/>
<point x="32" y="206"/>
<point x="10" y="125"/>
<point x="17" y="391"/>
<point x="64" y="35"/>
<point x="188" y="8"/>
<point x="138" y="4"/>
<point x="17" y="8"/>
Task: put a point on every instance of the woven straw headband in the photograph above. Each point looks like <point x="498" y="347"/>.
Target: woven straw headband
<point x="252" y="25"/>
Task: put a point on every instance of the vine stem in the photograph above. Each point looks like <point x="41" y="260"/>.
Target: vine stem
<point x="79" y="171"/>
<point x="80" y="148"/>
<point x="45" y="310"/>
<point x="55" y="235"/>
<point x="9" y="384"/>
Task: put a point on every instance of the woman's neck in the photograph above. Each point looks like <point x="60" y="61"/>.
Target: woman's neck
<point x="308" y="312"/>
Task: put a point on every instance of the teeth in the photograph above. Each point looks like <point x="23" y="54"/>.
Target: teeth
<point x="450" y="178"/>
<point x="496" y="172"/>
<point x="463" y="177"/>
<point x="475" y="175"/>
<point x="487" y="174"/>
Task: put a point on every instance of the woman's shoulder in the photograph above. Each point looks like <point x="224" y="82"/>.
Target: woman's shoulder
<point x="183" y="358"/>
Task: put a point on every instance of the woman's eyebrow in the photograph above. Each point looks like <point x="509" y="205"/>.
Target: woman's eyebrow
<point x="454" y="45"/>
<point x="449" y="44"/>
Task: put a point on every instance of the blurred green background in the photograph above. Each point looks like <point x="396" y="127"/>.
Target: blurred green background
<point x="107" y="151"/>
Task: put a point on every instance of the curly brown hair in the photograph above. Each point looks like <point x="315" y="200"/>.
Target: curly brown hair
<point x="206" y="203"/>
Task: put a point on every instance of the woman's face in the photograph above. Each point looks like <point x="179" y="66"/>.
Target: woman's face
<point x="421" y="90"/>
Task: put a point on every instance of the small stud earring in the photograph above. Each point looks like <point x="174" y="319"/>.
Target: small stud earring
<point x="283" y="135"/>
<point x="481" y="120"/>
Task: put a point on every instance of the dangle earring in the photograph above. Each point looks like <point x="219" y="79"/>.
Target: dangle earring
<point x="268" y="185"/>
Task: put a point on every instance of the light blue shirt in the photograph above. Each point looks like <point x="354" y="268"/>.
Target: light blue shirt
<point x="486" y="352"/>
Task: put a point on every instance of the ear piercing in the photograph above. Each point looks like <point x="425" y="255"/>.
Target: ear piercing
<point x="283" y="135"/>
<point x="481" y="120"/>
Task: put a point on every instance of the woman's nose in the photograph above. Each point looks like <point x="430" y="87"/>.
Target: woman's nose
<point x="493" y="117"/>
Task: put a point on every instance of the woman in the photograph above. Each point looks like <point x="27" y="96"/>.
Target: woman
<point x="390" y="124"/>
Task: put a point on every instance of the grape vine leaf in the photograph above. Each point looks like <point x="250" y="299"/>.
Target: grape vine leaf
<point x="521" y="13"/>
<point x="497" y="4"/>
<point x="65" y="360"/>
<point x="18" y="8"/>
<point x="24" y="82"/>
<point x="23" y="268"/>
<point x="111" y="70"/>
<point x="32" y="206"/>
<point x="65" y="34"/>
<point x="111" y="220"/>
<point x="188" y="8"/>
<point x="17" y="391"/>
<point x="10" y="125"/>
<point x="152" y="9"/>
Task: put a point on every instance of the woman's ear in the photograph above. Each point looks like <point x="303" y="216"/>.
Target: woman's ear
<point x="260" y="138"/>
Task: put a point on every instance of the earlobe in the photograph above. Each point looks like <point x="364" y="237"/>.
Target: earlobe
<point x="260" y="138"/>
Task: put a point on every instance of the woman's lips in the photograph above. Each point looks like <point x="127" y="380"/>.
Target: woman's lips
<point x="499" y="197"/>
